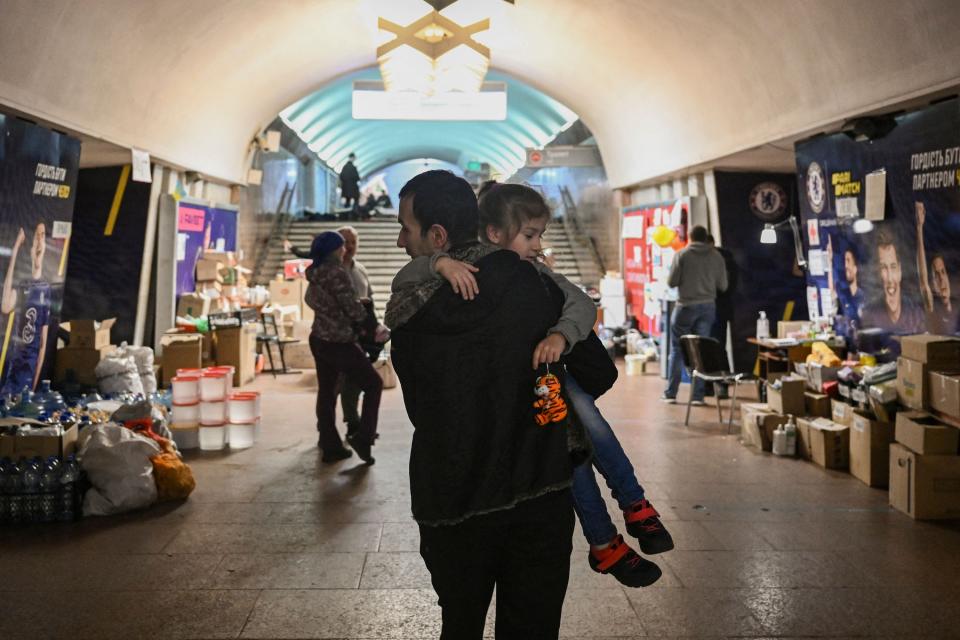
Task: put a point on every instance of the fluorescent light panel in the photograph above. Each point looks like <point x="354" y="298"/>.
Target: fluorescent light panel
<point x="371" y="101"/>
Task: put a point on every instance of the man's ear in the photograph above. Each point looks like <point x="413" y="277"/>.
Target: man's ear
<point x="438" y="236"/>
<point x="494" y="235"/>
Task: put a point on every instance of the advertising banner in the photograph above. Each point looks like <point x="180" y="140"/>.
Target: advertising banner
<point x="886" y="251"/>
<point x="652" y="235"/>
<point x="38" y="177"/>
<point x="201" y="227"/>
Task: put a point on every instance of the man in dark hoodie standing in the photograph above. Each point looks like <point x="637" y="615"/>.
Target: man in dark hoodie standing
<point x="489" y="488"/>
<point x="699" y="274"/>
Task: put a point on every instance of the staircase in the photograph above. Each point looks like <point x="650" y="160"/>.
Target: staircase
<point x="378" y="252"/>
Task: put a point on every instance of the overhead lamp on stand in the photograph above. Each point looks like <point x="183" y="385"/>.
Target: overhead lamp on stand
<point x="769" y="236"/>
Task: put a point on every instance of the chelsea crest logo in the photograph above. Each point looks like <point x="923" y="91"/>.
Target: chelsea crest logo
<point x="768" y="201"/>
<point x="816" y="187"/>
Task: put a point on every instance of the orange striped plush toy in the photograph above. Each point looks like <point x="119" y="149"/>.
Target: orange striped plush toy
<point x="550" y="403"/>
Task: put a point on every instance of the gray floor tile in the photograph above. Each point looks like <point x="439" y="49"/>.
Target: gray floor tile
<point x="275" y="538"/>
<point x="691" y="612"/>
<point x="395" y="570"/>
<point x="289" y="571"/>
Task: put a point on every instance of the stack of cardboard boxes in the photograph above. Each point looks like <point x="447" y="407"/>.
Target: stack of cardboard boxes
<point x="221" y="286"/>
<point x="924" y="465"/>
<point x="89" y="343"/>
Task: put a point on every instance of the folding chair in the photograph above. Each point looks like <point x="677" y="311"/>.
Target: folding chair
<point x="271" y="336"/>
<point x="707" y="360"/>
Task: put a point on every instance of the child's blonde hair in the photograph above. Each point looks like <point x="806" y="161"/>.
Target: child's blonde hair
<point x="508" y="206"/>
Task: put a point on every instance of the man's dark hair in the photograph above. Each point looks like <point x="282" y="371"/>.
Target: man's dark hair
<point x="884" y="239"/>
<point x="710" y="239"/>
<point x="439" y="197"/>
<point x="698" y="234"/>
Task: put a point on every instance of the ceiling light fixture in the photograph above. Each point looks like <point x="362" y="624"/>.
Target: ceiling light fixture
<point x="432" y="55"/>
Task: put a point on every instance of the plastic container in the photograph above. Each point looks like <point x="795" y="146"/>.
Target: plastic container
<point x="186" y="389"/>
<point x="790" y="431"/>
<point x="212" y="437"/>
<point x="229" y="370"/>
<point x="213" y="412"/>
<point x="243" y="407"/>
<point x="763" y="326"/>
<point x="186" y="436"/>
<point x="189" y="372"/>
<point x="636" y="364"/>
<point x="186" y="414"/>
<point x="213" y="386"/>
<point x="242" y="435"/>
<point x="779" y="442"/>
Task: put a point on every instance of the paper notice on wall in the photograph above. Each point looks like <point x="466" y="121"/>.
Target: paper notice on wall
<point x="141" y="166"/>
<point x="876" y="195"/>
<point x="813" y="303"/>
<point x="815" y="262"/>
<point x="181" y="246"/>
<point x="826" y="303"/>
<point x="61" y="229"/>
<point x="847" y="208"/>
<point x="813" y="233"/>
<point x="221" y="244"/>
<point x="676" y="215"/>
<point x="633" y="227"/>
<point x="657" y="217"/>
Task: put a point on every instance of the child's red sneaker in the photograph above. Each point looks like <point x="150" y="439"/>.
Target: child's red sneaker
<point x="643" y="523"/>
<point x="624" y="564"/>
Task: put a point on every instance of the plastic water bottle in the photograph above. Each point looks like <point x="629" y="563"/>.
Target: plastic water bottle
<point x="779" y="441"/>
<point x="69" y="475"/>
<point x="763" y="326"/>
<point x="50" y="489"/>
<point x="30" y="481"/>
<point x="791" y="436"/>
<point x="15" y="506"/>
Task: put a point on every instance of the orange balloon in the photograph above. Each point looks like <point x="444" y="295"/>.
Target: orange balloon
<point x="678" y="243"/>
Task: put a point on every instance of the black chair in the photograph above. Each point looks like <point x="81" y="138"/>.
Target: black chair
<point x="706" y="359"/>
<point x="271" y="336"/>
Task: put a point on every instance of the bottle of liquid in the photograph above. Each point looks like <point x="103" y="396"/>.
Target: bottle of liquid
<point x="4" y="496"/>
<point x="30" y="481"/>
<point x="68" y="478"/>
<point x="763" y="326"/>
<point x="50" y="490"/>
<point x="779" y="441"/>
<point x="791" y="436"/>
<point x="14" y="496"/>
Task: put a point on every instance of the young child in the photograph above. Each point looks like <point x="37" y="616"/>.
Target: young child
<point x="515" y="217"/>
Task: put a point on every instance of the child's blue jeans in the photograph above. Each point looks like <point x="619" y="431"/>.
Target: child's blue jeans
<point x="610" y="461"/>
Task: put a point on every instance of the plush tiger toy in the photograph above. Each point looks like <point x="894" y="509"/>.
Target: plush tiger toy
<point x="550" y="403"/>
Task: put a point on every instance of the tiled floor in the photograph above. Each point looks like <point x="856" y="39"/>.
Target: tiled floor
<point x="275" y="545"/>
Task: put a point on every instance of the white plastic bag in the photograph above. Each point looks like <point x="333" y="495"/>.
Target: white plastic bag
<point x="143" y="356"/>
<point x="117" y="373"/>
<point x="117" y="461"/>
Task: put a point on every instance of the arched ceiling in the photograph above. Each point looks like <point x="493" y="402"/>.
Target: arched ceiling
<point x="323" y="119"/>
<point x="663" y="84"/>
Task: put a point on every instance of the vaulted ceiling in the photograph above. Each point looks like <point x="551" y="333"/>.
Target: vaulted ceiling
<point x="663" y="84"/>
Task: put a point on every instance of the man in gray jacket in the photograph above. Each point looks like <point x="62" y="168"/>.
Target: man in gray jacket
<point x="699" y="274"/>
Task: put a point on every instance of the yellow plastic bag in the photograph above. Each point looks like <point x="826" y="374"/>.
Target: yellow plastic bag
<point x="173" y="476"/>
<point x="823" y="355"/>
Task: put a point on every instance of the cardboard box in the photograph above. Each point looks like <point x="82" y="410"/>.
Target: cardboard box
<point x="788" y="399"/>
<point x="15" y="447"/>
<point x="785" y="327"/>
<point x="89" y="334"/>
<point x="237" y="347"/>
<point x="225" y="257"/>
<point x="829" y="444"/>
<point x="195" y="305"/>
<point x="759" y="424"/>
<point x="922" y="433"/>
<point x="803" y="439"/>
<point x="931" y="350"/>
<point x="817" y="405"/>
<point x="945" y="393"/>
<point x="818" y="375"/>
<point x="870" y="449"/>
<point x="78" y="365"/>
<point x="287" y="292"/>
<point x="209" y="270"/>
<point x="179" y="351"/>
<point x="841" y="412"/>
<point x="925" y="487"/>
<point x="912" y="386"/>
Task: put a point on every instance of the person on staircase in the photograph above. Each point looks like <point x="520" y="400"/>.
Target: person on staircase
<point x="349" y="184"/>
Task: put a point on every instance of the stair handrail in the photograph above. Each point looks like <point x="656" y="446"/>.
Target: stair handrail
<point x="574" y="230"/>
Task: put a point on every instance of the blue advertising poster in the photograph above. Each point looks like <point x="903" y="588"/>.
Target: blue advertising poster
<point x="38" y="178"/>
<point x="201" y="227"/>
<point x="895" y="275"/>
